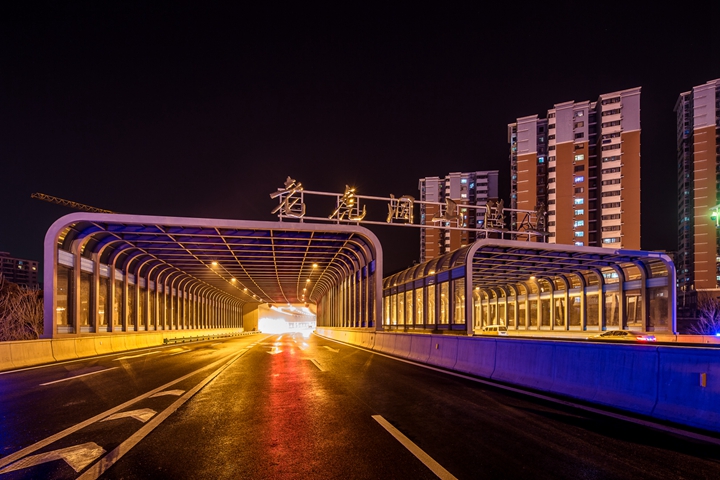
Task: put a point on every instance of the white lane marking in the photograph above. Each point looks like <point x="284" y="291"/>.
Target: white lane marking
<point x="136" y="356"/>
<point x="317" y="364"/>
<point x="70" y="430"/>
<point x="143" y="415"/>
<point x="168" y="392"/>
<point x="426" y="459"/>
<point x="331" y="349"/>
<point x="77" y="376"/>
<point x="179" y="353"/>
<point x="111" y="458"/>
<point x="78" y="457"/>
<point x="624" y="418"/>
<point x="274" y="351"/>
<point x="219" y="343"/>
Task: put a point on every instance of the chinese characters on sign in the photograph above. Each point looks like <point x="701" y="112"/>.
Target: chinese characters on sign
<point x="400" y="208"/>
<point x="348" y="207"/>
<point x="452" y="214"/>
<point x="290" y="204"/>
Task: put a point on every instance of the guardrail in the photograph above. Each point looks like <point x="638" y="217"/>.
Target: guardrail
<point x="28" y="353"/>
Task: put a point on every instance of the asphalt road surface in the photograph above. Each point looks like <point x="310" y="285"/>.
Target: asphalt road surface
<point x="289" y="406"/>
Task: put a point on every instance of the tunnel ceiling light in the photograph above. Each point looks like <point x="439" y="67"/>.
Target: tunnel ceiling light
<point x="214" y="263"/>
<point x="315" y="265"/>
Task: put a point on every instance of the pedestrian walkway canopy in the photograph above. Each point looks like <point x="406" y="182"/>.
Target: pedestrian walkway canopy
<point x="116" y="272"/>
<point x="534" y="286"/>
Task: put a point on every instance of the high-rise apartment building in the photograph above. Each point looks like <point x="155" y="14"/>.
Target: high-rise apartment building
<point x="18" y="270"/>
<point x="698" y="153"/>
<point x="581" y="163"/>
<point x="472" y="188"/>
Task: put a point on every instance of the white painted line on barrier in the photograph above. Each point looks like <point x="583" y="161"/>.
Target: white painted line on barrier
<point x="77" y="376"/>
<point x="177" y="393"/>
<point x="317" y="364"/>
<point x="624" y="418"/>
<point x="111" y="458"/>
<point x="179" y="353"/>
<point x="426" y="459"/>
<point x="78" y="457"/>
<point x="136" y="356"/>
<point x="142" y="415"/>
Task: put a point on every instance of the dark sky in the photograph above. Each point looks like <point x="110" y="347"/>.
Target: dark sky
<point x="187" y="111"/>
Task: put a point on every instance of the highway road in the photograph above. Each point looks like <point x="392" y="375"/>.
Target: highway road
<point x="294" y="407"/>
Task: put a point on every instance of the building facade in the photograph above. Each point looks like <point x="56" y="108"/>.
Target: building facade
<point x="18" y="270"/>
<point x="698" y="154"/>
<point x="581" y="165"/>
<point x="470" y="188"/>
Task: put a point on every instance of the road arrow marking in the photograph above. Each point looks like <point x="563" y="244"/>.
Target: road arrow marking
<point x="274" y="351"/>
<point x="78" y="457"/>
<point x="331" y="349"/>
<point x="77" y="376"/>
<point x="144" y="414"/>
<point x="177" y="393"/>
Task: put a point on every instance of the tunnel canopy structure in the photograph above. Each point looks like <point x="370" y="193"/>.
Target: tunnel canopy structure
<point x="534" y="286"/>
<point x="118" y="273"/>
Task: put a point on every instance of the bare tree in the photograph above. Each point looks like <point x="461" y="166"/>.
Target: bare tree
<point x="708" y="322"/>
<point x="21" y="312"/>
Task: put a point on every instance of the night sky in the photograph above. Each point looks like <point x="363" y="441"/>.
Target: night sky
<point x="186" y="111"/>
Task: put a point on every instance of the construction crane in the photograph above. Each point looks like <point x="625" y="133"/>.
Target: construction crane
<point x="68" y="203"/>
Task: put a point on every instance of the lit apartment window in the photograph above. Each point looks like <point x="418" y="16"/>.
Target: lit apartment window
<point x="579" y="223"/>
<point x="580" y="211"/>
<point x="579" y="244"/>
<point x="578" y="179"/>
<point x="579" y="201"/>
<point x="579" y="158"/>
<point x="579" y="234"/>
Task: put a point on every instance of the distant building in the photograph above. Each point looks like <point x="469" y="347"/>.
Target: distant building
<point x="582" y="164"/>
<point x="698" y="154"/>
<point x="18" y="270"/>
<point x="471" y="188"/>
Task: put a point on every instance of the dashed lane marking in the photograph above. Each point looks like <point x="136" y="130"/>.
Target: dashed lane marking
<point x="77" y="376"/>
<point x="136" y="356"/>
<point x="334" y="350"/>
<point x="426" y="459"/>
<point x="317" y="364"/>
<point x="142" y="415"/>
<point x="78" y="457"/>
<point x="177" y="393"/>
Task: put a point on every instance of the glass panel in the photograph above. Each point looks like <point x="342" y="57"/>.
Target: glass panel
<point x="575" y="312"/>
<point x="633" y="310"/>
<point x="477" y="316"/>
<point x="511" y="314"/>
<point x="485" y="314"/>
<point x="401" y="308"/>
<point x="103" y="301"/>
<point x="152" y="315"/>
<point x="459" y="303"/>
<point x="409" y="307"/>
<point x="593" y="310"/>
<point x="501" y="313"/>
<point x="386" y="304"/>
<point x="545" y="305"/>
<point x="419" y="320"/>
<point x="117" y="303"/>
<point x="393" y="309"/>
<point x="612" y="309"/>
<point x="533" y="313"/>
<point x="142" y="311"/>
<point x="62" y="313"/>
<point x="131" y="306"/>
<point x="522" y="314"/>
<point x="559" y="312"/>
<point x="431" y="305"/>
<point x="84" y="313"/>
<point x="658" y="315"/>
<point x="492" y="313"/>
<point x="444" y="303"/>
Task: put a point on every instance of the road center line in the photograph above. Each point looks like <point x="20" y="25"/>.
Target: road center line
<point x="136" y="356"/>
<point x="317" y="364"/>
<point x="426" y="459"/>
<point x="77" y="376"/>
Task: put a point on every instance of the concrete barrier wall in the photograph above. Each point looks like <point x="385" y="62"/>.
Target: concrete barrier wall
<point x="682" y="396"/>
<point x="678" y="384"/>
<point x="37" y="352"/>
